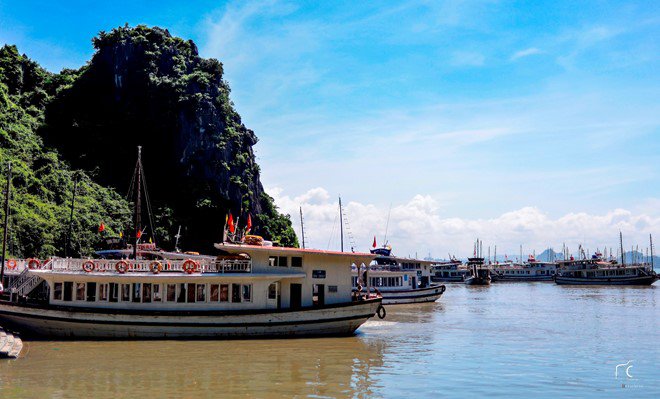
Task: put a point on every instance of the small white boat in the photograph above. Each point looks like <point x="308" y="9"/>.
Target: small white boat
<point x="398" y="280"/>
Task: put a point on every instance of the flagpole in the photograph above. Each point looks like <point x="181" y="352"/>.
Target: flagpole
<point x="73" y="205"/>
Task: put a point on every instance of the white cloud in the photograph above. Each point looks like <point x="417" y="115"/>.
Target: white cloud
<point x="525" y="53"/>
<point x="416" y="226"/>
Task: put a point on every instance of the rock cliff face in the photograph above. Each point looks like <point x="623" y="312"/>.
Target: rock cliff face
<point x="145" y="87"/>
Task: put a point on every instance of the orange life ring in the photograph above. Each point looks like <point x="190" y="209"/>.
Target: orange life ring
<point x="88" y="266"/>
<point x="156" y="267"/>
<point x="122" y="266"/>
<point x="189" y="266"/>
<point x="11" y="264"/>
<point x="33" y="263"/>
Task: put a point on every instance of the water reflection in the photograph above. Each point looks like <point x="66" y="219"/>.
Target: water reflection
<point x="307" y="367"/>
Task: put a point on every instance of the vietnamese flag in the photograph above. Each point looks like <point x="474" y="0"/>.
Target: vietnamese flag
<point x="249" y="224"/>
<point x="101" y="227"/>
<point x="374" y="244"/>
<point x="231" y="223"/>
<point x="139" y="234"/>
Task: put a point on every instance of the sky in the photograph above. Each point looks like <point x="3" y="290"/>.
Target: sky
<point x="533" y="123"/>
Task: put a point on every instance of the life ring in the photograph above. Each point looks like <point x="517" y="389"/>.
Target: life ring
<point x="11" y="264"/>
<point x="381" y="312"/>
<point x="122" y="266"/>
<point x="33" y="263"/>
<point x="189" y="266"/>
<point x="156" y="267"/>
<point x="88" y="266"/>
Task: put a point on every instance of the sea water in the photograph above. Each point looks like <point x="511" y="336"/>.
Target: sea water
<point x="503" y="340"/>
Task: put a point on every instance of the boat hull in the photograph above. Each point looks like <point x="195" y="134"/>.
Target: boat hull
<point x="52" y="321"/>
<point x="420" y="295"/>
<point x="638" y="280"/>
<point x="477" y="281"/>
<point x="523" y="279"/>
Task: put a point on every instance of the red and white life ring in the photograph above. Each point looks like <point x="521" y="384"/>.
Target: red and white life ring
<point x="122" y="266"/>
<point x="11" y="264"/>
<point x="156" y="267"/>
<point x="88" y="266"/>
<point x="189" y="266"/>
<point x="33" y="263"/>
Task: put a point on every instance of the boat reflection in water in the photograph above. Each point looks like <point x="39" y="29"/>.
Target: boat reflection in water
<point x="254" y="368"/>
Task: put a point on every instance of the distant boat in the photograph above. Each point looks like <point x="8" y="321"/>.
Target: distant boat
<point x="449" y="272"/>
<point x="532" y="270"/>
<point x="479" y="275"/>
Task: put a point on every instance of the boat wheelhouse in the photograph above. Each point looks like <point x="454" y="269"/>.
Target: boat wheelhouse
<point x="246" y="291"/>
<point x="398" y="280"/>
<point x="478" y="273"/>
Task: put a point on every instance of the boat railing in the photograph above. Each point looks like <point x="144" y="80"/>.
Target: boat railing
<point x="153" y="266"/>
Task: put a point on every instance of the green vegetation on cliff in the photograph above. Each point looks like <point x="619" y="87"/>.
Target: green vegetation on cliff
<point x="142" y="87"/>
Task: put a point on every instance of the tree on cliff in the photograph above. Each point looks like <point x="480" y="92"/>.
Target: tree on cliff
<point x="145" y="87"/>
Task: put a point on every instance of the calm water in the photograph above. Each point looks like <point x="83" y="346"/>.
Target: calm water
<point x="505" y="340"/>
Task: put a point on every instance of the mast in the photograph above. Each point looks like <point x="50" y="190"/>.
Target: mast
<point x="387" y="225"/>
<point x="651" y="244"/>
<point x="177" y="236"/>
<point x="73" y="206"/>
<point x="302" y="228"/>
<point x="623" y="256"/>
<point x="341" y="225"/>
<point x="138" y="200"/>
<point x="5" y="233"/>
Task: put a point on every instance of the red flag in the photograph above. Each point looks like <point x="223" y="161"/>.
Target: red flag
<point x="101" y="227"/>
<point x="139" y="234"/>
<point x="374" y="244"/>
<point x="231" y="223"/>
<point x="249" y="224"/>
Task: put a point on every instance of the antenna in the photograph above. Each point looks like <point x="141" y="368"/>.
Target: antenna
<point x="302" y="228"/>
<point x="67" y="244"/>
<point x="176" y="243"/>
<point x="138" y="199"/>
<point x="651" y="243"/>
<point x="623" y="256"/>
<point x="387" y="225"/>
<point x="341" y="225"/>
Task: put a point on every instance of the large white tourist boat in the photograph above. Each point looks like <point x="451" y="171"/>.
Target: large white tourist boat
<point x="532" y="270"/>
<point x="246" y="291"/>
<point x="398" y="280"/>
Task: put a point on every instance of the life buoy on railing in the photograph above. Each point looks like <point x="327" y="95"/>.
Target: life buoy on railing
<point x="381" y="312"/>
<point x="33" y="263"/>
<point x="11" y="264"/>
<point x="122" y="266"/>
<point x="88" y="266"/>
<point x="156" y="267"/>
<point x="189" y="266"/>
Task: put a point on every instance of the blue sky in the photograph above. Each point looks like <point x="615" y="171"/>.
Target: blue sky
<point x="458" y="113"/>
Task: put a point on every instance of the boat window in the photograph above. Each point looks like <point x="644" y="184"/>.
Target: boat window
<point x="272" y="261"/>
<point x="91" y="292"/>
<point x="171" y="292"/>
<point x="224" y="292"/>
<point x="214" y="292"/>
<point x="247" y="293"/>
<point x="296" y="261"/>
<point x="68" y="291"/>
<point x="114" y="292"/>
<point x="80" y="291"/>
<point x="103" y="292"/>
<point x="182" y="294"/>
<point x="332" y="288"/>
<point x="137" y="292"/>
<point x="272" y="291"/>
<point x="156" y="292"/>
<point x="201" y="292"/>
<point x="126" y="292"/>
<point x="282" y="261"/>
<point x="235" y="292"/>
<point x="191" y="292"/>
<point x="146" y="292"/>
<point x="57" y="291"/>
